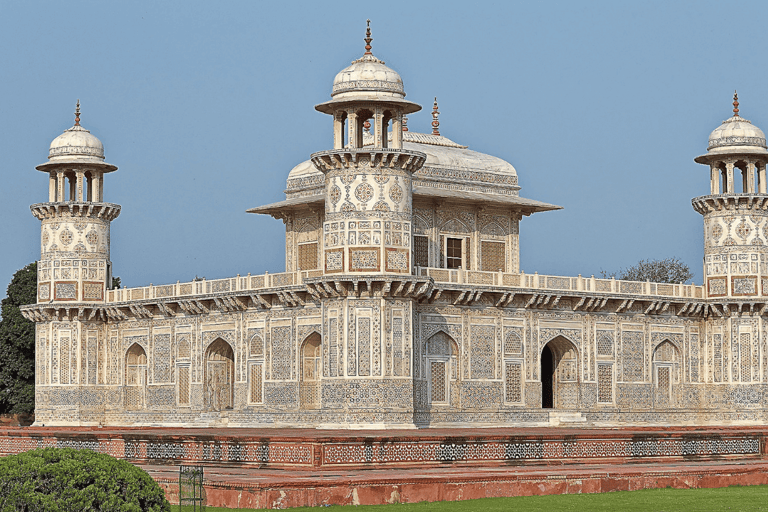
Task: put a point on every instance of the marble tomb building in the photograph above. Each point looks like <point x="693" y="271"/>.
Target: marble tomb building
<point x="402" y="303"/>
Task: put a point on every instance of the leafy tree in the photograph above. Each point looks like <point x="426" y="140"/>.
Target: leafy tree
<point x="116" y="283"/>
<point x="17" y="345"/>
<point x="64" y="479"/>
<point x="668" y="270"/>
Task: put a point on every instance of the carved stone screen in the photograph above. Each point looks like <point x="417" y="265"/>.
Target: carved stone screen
<point x="513" y="379"/>
<point x="493" y="256"/>
<point x="438" y="392"/>
<point x="421" y="251"/>
<point x="308" y="256"/>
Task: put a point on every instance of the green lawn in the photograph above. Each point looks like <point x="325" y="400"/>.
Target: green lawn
<point x="741" y="499"/>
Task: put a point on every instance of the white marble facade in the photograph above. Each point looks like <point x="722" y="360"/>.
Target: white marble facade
<point x="402" y="302"/>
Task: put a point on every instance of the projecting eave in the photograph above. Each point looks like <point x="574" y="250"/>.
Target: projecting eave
<point x="279" y="209"/>
<point x="526" y="206"/>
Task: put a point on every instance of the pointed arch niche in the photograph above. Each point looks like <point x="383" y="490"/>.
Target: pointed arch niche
<point x="559" y="375"/>
<point x="219" y="376"/>
<point x="135" y="376"/>
<point x="309" y="388"/>
<point x="442" y="368"/>
<point x="666" y="368"/>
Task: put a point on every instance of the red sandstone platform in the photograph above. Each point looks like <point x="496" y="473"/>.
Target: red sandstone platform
<point x="276" y="468"/>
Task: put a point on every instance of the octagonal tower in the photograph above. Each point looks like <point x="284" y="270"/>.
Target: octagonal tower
<point x="74" y="262"/>
<point x="368" y="192"/>
<point x="735" y="222"/>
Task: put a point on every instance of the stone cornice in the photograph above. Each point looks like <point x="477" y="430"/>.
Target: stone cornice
<point x="105" y="211"/>
<point x="410" y="161"/>
<point x="422" y="289"/>
<point x="720" y="202"/>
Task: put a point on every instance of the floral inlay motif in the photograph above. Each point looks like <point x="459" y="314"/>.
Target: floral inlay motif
<point x="66" y="237"/>
<point x="743" y="229"/>
<point x="396" y="193"/>
<point x="92" y="238"/>
<point x="335" y="194"/>
<point x="364" y="192"/>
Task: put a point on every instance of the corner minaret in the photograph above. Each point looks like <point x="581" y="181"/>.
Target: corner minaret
<point x="367" y="227"/>
<point x="735" y="222"/>
<point x="74" y="262"/>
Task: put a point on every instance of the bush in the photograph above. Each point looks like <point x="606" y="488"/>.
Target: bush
<point x="65" y="479"/>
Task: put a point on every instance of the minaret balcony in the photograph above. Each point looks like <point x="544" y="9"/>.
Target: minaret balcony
<point x="335" y="159"/>
<point x="105" y="211"/>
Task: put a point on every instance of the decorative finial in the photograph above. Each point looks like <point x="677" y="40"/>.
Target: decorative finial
<point x="435" y="122"/>
<point x="735" y="104"/>
<point x="77" y="114"/>
<point x="367" y="126"/>
<point x="368" y="39"/>
<point x="405" y="123"/>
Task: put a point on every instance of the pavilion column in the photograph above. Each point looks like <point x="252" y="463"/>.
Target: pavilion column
<point x="60" y="186"/>
<point x="80" y="178"/>
<point x="96" y="184"/>
<point x="51" y="188"/>
<point x="761" y="185"/>
<point x="352" y="120"/>
<point x="397" y="131"/>
<point x="714" y="185"/>
<point x="750" y="189"/>
<point x="729" y="188"/>
<point x="379" y="133"/>
<point x="338" y="131"/>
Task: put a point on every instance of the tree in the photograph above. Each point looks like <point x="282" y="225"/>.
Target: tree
<point x="668" y="270"/>
<point x="17" y="345"/>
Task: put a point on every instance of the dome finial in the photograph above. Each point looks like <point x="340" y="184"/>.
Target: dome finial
<point x="77" y="114"/>
<point x="368" y="38"/>
<point x="735" y="104"/>
<point x="435" y="122"/>
<point x="405" y="123"/>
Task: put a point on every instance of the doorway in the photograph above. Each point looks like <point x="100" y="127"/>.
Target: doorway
<point x="547" y="378"/>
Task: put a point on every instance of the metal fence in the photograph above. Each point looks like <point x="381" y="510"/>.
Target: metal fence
<point x="191" y="492"/>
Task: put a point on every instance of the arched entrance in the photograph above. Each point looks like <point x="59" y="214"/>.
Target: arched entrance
<point x="135" y="376"/>
<point x="309" y="388"/>
<point x="547" y="378"/>
<point x="219" y="375"/>
<point x="559" y="375"/>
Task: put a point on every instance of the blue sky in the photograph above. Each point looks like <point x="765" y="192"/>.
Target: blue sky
<point x="206" y="106"/>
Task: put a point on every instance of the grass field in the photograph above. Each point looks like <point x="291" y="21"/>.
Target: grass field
<point x="741" y="499"/>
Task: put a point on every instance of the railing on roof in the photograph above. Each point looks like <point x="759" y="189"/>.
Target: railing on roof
<point x="562" y="283"/>
<point x="553" y="284"/>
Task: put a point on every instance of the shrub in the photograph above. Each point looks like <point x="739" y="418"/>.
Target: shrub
<point x="65" y="479"/>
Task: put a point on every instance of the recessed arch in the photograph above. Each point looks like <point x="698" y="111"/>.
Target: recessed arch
<point x="219" y="375"/>
<point x="135" y="376"/>
<point x="310" y="371"/>
<point x="441" y="352"/>
<point x="559" y="374"/>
